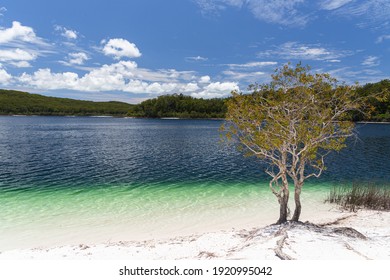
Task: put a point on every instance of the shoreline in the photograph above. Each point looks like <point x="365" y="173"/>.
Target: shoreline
<point x="162" y="118"/>
<point x="328" y="238"/>
<point x="112" y="116"/>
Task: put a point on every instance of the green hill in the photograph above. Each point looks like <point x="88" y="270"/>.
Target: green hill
<point x="22" y="103"/>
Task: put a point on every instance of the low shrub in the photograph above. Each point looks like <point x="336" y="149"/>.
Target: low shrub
<point x="361" y="195"/>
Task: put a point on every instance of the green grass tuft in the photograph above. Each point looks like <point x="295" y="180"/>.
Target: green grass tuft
<point x="361" y="196"/>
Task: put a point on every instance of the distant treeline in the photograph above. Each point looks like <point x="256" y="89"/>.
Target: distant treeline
<point x="182" y="106"/>
<point x="179" y="106"/>
<point x="23" y="103"/>
<point x="176" y="105"/>
<point x="380" y="107"/>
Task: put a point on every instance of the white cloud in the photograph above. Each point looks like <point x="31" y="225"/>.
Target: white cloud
<point x="196" y="58"/>
<point x="292" y="13"/>
<point x="373" y="13"/>
<point x="371" y="61"/>
<point x="70" y="34"/>
<point x="213" y="7"/>
<point x="294" y="50"/>
<point x="19" y="45"/>
<point x="382" y="38"/>
<point x="78" y="58"/>
<point x="19" y="34"/>
<point x="284" y="12"/>
<point x="255" y="64"/>
<point x="190" y="87"/>
<point x="334" y="60"/>
<point x="248" y="76"/>
<point x="160" y="88"/>
<point x="20" y="64"/>
<point x="119" y="48"/>
<point x="163" y="75"/>
<point x="204" y="79"/>
<point x="217" y="89"/>
<point x="45" y="79"/>
<point x="67" y="33"/>
<point x="123" y="76"/>
<point x="17" y="57"/>
<point x="5" y="78"/>
<point x="334" y="4"/>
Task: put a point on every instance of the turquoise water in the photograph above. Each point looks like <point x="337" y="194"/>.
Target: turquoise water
<point x="81" y="180"/>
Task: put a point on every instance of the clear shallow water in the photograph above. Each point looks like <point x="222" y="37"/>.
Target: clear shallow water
<point x="74" y="180"/>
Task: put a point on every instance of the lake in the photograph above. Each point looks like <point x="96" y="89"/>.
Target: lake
<point x="68" y="180"/>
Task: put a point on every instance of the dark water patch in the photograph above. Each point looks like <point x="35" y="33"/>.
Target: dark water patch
<point x="60" y="152"/>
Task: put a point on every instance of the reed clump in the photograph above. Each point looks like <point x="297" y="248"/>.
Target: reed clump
<point x="361" y="195"/>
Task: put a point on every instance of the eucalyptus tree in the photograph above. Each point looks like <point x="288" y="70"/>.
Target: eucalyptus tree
<point x="292" y="123"/>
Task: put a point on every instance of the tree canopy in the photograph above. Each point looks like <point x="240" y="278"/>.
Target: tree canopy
<point x="180" y="106"/>
<point x="292" y="123"/>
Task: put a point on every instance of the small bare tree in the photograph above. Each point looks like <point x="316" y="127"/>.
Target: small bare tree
<point x="292" y="123"/>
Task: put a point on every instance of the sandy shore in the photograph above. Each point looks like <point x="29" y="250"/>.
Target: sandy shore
<point x="338" y="235"/>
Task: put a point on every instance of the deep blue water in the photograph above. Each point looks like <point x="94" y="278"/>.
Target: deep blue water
<point x="56" y="152"/>
<point x="86" y="180"/>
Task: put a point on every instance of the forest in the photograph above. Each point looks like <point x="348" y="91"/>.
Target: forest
<point x="379" y="107"/>
<point x="179" y="106"/>
<point x="175" y="105"/>
<point x="22" y="103"/>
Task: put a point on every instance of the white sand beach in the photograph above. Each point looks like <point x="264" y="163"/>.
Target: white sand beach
<point x="327" y="237"/>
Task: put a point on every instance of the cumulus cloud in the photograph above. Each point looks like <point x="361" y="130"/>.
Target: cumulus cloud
<point x="5" y="78"/>
<point x="125" y="76"/>
<point x="119" y="48"/>
<point x="295" y="50"/>
<point x="19" y="45"/>
<point x="77" y="58"/>
<point x="67" y="33"/>
<point x="19" y="33"/>
<point x="204" y="79"/>
<point x="45" y="79"/>
<point x="371" y="61"/>
<point x="16" y="54"/>
<point x="17" y="57"/>
<point x="217" y="89"/>
<point x="190" y="87"/>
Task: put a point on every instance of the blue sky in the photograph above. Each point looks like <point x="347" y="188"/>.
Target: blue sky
<point x="139" y="49"/>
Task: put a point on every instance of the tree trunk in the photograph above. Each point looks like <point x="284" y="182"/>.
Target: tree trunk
<point x="298" y="206"/>
<point x="283" y="201"/>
